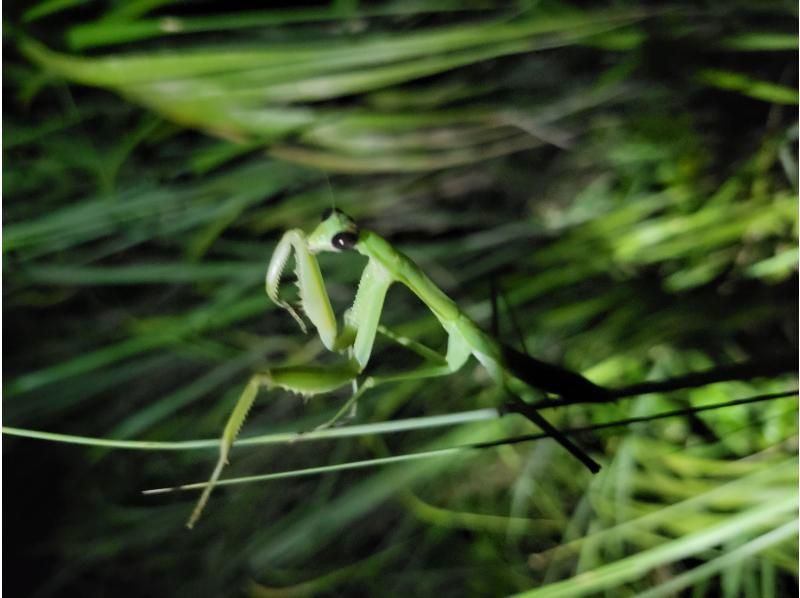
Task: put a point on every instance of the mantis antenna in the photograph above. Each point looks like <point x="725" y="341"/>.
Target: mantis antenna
<point x="518" y="374"/>
<point x="330" y="191"/>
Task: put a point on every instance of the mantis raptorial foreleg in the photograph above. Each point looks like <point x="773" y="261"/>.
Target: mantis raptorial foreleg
<point x="313" y="296"/>
<point x="385" y="266"/>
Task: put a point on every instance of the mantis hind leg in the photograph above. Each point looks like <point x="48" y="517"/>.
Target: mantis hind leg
<point x="304" y="380"/>
<point x="434" y="365"/>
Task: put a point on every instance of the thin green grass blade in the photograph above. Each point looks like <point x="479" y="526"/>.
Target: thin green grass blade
<point x="633" y="568"/>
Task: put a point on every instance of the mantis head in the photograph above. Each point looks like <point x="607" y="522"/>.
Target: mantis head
<point x="337" y="232"/>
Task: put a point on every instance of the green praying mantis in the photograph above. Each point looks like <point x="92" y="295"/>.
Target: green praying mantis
<point x="511" y="370"/>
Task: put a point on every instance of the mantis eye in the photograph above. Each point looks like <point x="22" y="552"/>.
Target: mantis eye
<point x="344" y="240"/>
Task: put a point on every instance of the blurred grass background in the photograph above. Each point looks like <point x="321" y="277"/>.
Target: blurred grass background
<point x="627" y="173"/>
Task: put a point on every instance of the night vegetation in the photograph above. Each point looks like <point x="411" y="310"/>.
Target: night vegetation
<point x="624" y="174"/>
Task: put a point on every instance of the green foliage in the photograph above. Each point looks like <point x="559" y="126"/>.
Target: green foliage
<point x="628" y="176"/>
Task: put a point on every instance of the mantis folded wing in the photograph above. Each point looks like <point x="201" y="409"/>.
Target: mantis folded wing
<point x="338" y="232"/>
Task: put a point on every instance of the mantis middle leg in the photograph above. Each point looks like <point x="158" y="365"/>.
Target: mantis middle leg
<point x="434" y="365"/>
<point x="304" y="380"/>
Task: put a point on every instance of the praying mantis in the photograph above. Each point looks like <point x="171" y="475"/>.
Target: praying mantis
<point x="511" y="370"/>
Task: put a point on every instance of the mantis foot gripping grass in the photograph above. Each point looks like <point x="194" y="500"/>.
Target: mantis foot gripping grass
<point x="513" y="371"/>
